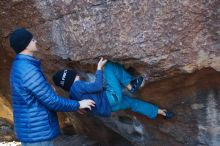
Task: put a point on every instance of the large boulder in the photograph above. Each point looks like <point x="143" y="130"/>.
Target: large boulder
<point x="175" y="45"/>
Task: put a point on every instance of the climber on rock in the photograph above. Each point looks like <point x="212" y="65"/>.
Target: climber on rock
<point x="107" y="93"/>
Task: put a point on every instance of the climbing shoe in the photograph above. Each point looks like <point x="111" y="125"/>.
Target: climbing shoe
<point x="169" y="115"/>
<point x="135" y="84"/>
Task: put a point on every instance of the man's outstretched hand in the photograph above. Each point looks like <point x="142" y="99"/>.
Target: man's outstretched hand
<point x="86" y="103"/>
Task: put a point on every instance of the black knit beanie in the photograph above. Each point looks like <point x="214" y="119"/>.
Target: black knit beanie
<point x="19" y="39"/>
<point x="64" y="78"/>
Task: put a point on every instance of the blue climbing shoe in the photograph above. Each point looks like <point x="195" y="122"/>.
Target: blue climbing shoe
<point x="135" y="84"/>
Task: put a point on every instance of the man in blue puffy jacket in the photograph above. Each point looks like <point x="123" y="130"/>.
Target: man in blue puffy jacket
<point x="34" y="102"/>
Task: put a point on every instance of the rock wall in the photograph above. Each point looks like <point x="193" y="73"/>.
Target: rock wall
<point x="174" y="44"/>
<point x="160" y="35"/>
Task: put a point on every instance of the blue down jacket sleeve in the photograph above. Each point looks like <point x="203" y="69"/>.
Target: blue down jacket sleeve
<point x="35" y="82"/>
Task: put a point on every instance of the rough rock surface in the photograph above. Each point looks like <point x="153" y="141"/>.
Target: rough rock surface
<point x="161" y="35"/>
<point x="163" y="40"/>
<point x="6" y="130"/>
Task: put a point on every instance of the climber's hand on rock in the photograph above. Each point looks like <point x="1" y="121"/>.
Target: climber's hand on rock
<point x="101" y="63"/>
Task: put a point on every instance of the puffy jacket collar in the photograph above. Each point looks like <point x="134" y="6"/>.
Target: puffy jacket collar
<point x="28" y="58"/>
